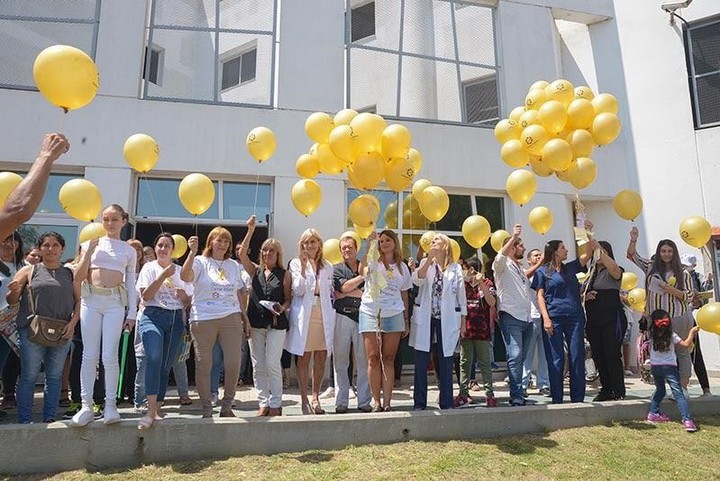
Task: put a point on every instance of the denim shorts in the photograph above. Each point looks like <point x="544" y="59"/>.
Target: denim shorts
<point x="394" y="323"/>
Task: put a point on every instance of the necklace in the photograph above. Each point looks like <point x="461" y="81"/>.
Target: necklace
<point x="221" y="272"/>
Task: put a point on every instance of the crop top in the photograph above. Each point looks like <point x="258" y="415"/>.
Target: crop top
<point x="119" y="256"/>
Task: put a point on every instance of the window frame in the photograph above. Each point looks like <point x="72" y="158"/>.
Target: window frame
<point x="479" y="81"/>
<point x="366" y="38"/>
<point x="692" y="76"/>
<point x="231" y="55"/>
<point x="154" y="48"/>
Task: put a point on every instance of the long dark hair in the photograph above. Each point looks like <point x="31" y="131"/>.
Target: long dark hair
<point x="658" y="266"/>
<point x="605" y="245"/>
<point x="660" y="331"/>
<point x="550" y="249"/>
<point x="19" y="254"/>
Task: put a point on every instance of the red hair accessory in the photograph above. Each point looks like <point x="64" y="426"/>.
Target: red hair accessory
<point x="662" y="322"/>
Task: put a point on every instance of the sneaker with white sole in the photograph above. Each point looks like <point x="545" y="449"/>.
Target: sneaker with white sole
<point x="82" y="417"/>
<point x="657" y="418"/>
<point x="351" y="393"/>
<point x="689" y="425"/>
<point x="328" y="393"/>
<point x="214" y="399"/>
<point x="111" y="414"/>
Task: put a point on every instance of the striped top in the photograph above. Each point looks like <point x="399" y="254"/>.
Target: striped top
<point x="662" y="300"/>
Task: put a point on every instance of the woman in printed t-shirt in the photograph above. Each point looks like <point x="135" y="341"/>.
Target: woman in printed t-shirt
<point x="216" y="313"/>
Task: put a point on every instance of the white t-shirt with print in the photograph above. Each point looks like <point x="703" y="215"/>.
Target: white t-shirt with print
<point x="390" y="301"/>
<point x="166" y="296"/>
<point x="664" y="358"/>
<point x="216" y="284"/>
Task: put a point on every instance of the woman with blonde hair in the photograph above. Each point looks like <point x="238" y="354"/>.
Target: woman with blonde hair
<point x="312" y="317"/>
<point x="384" y="314"/>
<point x="439" y="319"/>
<point x="269" y="302"/>
<point x="216" y="313"/>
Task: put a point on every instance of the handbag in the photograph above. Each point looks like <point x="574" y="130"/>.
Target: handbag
<point x="43" y="330"/>
<point x="8" y="326"/>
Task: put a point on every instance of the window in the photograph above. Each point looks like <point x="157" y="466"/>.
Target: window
<point x="481" y="101"/>
<point x="31" y="232"/>
<point x="702" y="47"/>
<point x="152" y="67"/>
<point x="363" y="22"/>
<point x="238" y="70"/>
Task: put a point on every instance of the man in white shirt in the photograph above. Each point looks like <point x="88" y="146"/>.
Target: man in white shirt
<point x="514" y="300"/>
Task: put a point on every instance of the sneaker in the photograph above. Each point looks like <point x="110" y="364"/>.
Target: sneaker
<point x="545" y="391"/>
<point x="214" y="399"/>
<point x="327" y="393"/>
<point x="365" y="409"/>
<point x="351" y="393"/>
<point x="98" y="410"/>
<point x="82" y="417"/>
<point x="460" y="401"/>
<point x="341" y="409"/>
<point x="658" y="418"/>
<point x="111" y="414"/>
<point x="689" y="426"/>
<point x="491" y="401"/>
<point x="72" y="411"/>
<point x="8" y="402"/>
<point x="706" y="393"/>
<point x="629" y="373"/>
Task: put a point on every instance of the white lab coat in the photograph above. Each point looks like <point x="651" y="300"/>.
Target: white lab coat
<point x="453" y="305"/>
<point x="303" y="296"/>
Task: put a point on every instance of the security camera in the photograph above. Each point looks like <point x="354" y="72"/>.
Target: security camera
<point x="670" y="7"/>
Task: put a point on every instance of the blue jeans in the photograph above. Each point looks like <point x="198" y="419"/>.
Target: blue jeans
<point x="140" y="398"/>
<point x="444" y="371"/>
<point x="570" y="330"/>
<point x="181" y="376"/>
<point x="161" y="331"/>
<point x="517" y="335"/>
<point x="541" y="380"/>
<point x="671" y="374"/>
<point x="32" y="356"/>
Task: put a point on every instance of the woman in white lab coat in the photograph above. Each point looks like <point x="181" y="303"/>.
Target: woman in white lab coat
<point x="438" y="320"/>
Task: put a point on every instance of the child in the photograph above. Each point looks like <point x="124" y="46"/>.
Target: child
<point x="664" y="368"/>
<point x="474" y="346"/>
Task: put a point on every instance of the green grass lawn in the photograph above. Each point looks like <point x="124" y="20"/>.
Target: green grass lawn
<point x="628" y="450"/>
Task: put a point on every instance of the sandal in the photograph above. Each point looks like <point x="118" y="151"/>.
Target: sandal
<point x="185" y="400"/>
<point x="388" y="409"/>
<point x="306" y="409"/>
<point x="316" y="409"/>
<point x="145" y="423"/>
<point x="377" y="408"/>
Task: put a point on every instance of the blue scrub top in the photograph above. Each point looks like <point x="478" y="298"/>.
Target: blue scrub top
<point x="562" y="289"/>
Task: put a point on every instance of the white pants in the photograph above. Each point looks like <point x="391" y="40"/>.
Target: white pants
<point x="101" y="318"/>
<point x="346" y="335"/>
<point x="266" y="347"/>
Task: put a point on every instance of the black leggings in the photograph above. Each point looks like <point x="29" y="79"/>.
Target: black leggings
<point x="607" y="355"/>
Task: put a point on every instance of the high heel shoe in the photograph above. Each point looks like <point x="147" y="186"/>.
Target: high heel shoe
<point x="316" y="409"/>
<point x="306" y="409"/>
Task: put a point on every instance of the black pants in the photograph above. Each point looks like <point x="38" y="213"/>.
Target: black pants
<point x="699" y="365"/>
<point x="10" y="374"/>
<point x="607" y="355"/>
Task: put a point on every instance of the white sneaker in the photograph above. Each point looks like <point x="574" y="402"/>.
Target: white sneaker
<point x="351" y="393"/>
<point x="214" y="399"/>
<point x="82" y="417"/>
<point x="111" y="414"/>
<point x="328" y="393"/>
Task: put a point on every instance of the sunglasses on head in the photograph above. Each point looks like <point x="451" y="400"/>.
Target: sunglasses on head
<point x="662" y="322"/>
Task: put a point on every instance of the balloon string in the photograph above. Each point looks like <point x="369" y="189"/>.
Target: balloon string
<point x="62" y="121"/>
<point x="195" y="224"/>
<point x="257" y="186"/>
<point x="143" y="175"/>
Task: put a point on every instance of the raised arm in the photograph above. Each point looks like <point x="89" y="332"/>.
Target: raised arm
<point x="589" y="247"/>
<point x="186" y="273"/>
<point x="509" y="245"/>
<point x="249" y="265"/>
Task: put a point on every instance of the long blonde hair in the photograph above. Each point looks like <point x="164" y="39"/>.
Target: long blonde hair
<point x="223" y="233"/>
<point x="271" y="243"/>
<point x="397" y="251"/>
<point x="448" y="250"/>
<point x="306" y="236"/>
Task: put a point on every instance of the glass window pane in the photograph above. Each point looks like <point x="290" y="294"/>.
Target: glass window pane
<point x="249" y="60"/>
<point x="708" y="95"/>
<point x="388" y="207"/>
<point x="31" y="232"/>
<point x="238" y="200"/>
<point x="363" y="21"/>
<point x="706" y="48"/>
<point x="460" y="209"/>
<point x="50" y="203"/>
<point x="66" y="9"/>
<point x="159" y="198"/>
<point x="231" y="73"/>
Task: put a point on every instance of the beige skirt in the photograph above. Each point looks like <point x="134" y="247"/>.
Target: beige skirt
<point x="316" y="332"/>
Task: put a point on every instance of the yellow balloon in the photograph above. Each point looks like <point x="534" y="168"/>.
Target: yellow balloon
<point x="584" y="92"/>
<point x="455" y="248"/>
<point x="539" y="84"/>
<point x="605" y="103"/>
<point x="535" y="98"/>
<point x="352" y="178"/>
<point x="395" y="141"/>
<point x="434" y="203"/>
<point x="141" y="152"/>
<point x="368" y="170"/>
<point x="534" y="138"/>
<point x="580" y="114"/>
<point x="582" y="143"/>
<point x="529" y="117"/>
<point x="628" y="204"/>
<point x="521" y="185"/>
<point x="629" y="281"/>
<point x="639" y="307"/>
<point x="553" y="116"/>
<point x="498" y="238"/>
<point x="181" y="246"/>
<point x="331" y="251"/>
<point x="415" y="159"/>
<point x="476" y="230"/>
<point x="695" y="231"/>
<point x="418" y="187"/>
<point x="371" y="198"/>
<point x="541" y="220"/>
<point x="306" y="196"/>
<point x="196" y="193"/>
<point x="8" y="182"/>
<point x="636" y="296"/>
<point x="605" y="128"/>
<point x="328" y="161"/>
<point x="506" y="130"/>
<point x="261" y="143"/>
<point x="307" y="166"/>
<point x="539" y="167"/>
<point x="93" y="230"/>
<point x="81" y="199"/>
<point x="342" y="143"/>
<point x="363" y="212"/>
<point x="66" y="76"/>
<point x="344" y="117"/>
<point x="426" y="240"/>
<point x="582" y="172"/>
<point x="391" y="215"/>
<point x="557" y="154"/>
<point x="368" y="128"/>
<point x="514" y="154"/>
<point x="364" y="232"/>
<point x="516" y="113"/>
<point x="708" y="317"/>
<point x="399" y="174"/>
<point x="354" y="235"/>
<point x="318" y="127"/>
<point x="562" y="91"/>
